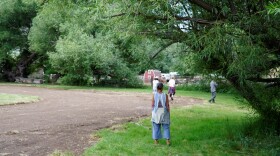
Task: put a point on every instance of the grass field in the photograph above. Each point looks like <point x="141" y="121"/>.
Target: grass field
<point x="227" y="127"/>
<point x="8" y="99"/>
<point x="223" y="128"/>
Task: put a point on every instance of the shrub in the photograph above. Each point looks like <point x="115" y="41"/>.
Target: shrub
<point x="203" y="85"/>
<point x="128" y="83"/>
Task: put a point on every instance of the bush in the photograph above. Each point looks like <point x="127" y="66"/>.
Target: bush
<point x="203" y="85"/>
<point x="128" y="83"/>
<point x="70" y="79"/>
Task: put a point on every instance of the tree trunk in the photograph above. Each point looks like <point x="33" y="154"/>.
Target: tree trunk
<point x="54" y="78"/>
<point x="20" y="69"/>
<point x="22" y="65"/>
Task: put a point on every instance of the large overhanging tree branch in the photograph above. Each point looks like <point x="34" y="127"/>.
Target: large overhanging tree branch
<point x="203" y="5"/>
<point x="271" y="82"/>
<point x="248" y="93"/>
<point x="165" y="18"/>
<point x="277" y="84"/>
<point x="161" y="49"/>
<point x="207" y="43"/>
<point x="267" y="80"/>
<point x="26" y="61"/>
<point x="174" y="33"/>
<point x="208" y="8"/>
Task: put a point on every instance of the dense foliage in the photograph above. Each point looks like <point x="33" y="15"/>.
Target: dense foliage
<point x="86" y="42"/>
<point x="15" y="23"/>
<point x="83" y="48"/>
<point x="236" y="39"/>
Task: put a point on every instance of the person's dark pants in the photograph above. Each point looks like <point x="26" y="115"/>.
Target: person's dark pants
<point x="213" y="96"/>
<point x="171" y="92"/>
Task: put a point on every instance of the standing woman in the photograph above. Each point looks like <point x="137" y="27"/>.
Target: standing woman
<point x="160" y="115"/>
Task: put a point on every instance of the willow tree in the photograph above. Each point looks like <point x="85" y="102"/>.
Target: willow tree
<point x="236" y="39"/>
<point x="274" y="7"/>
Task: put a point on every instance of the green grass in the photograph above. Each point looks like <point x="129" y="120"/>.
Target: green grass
<point x="8" y="99"/>
<point x="209" y="129"/>
<point x="227" y="127"/>
<point x="146" y="89"/>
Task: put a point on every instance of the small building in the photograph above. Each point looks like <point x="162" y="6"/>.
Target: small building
<point x="150" y="74"/>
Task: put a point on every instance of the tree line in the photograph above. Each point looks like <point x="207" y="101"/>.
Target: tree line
<point x="82" y="41"/>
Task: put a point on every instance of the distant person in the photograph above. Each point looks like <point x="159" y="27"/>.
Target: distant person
<point x="161" y="79"/>
<point x="160" y="115"/>
<point x="213" y="87"/>
<point x="155" y="82"/>
<point x="171" y="87"/>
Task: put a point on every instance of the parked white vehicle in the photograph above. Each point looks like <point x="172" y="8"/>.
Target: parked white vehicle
<point x="174" y="74"/>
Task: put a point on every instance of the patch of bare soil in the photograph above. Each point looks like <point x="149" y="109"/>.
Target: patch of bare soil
<point x="65" y="119"/>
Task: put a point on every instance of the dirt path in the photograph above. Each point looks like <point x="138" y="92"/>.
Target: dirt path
<point x="64" y="119"/>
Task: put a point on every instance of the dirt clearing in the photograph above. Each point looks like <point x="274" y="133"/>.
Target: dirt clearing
<point x="64" y="119"/>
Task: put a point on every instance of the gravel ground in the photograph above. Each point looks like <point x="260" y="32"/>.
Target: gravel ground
<point x="65" y="119"/>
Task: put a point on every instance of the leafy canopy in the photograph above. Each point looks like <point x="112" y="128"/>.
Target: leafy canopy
<point x="235" y="39"/>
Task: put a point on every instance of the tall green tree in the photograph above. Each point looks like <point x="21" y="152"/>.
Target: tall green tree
<point x="79" y="45"/>
<point x="236" y="39"/>
<point x="15" y="22"/>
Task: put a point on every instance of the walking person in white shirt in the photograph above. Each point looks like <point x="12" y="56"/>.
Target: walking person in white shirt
<point x="155" y="82"/>
<point x="171" y="89"/>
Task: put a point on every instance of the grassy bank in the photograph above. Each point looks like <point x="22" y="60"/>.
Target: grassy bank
<point x="65" y="87"/>
<point x="210" y="129"/>
<point x="8" y="99"/>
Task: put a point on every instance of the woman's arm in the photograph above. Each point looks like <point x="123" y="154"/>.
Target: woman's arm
<point x="153" y="101"/>
<point x="167" y="103"/>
